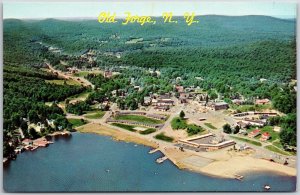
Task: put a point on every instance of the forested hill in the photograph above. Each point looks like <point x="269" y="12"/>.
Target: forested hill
<point x="211" y="31"/>
<point x="255" y="46"/>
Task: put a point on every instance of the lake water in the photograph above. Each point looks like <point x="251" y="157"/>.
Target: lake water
<point x="89" y="162"/>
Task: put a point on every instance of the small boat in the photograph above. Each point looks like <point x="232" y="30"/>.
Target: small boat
<point x="107" y="170"/>
<point x="267" y="187"/>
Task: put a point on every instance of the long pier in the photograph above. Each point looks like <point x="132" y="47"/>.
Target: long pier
<point x="162" y="159"/>
<point x="153" y="150"/>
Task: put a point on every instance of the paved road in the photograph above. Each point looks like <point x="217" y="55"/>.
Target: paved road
<point x="64" y="75"/>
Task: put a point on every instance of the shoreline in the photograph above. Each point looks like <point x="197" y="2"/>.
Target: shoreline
<point x="220" y="164"/>
<point x="115" y="134"/>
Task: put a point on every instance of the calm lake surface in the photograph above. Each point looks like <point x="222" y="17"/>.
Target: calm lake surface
<point x="89" y="162"/>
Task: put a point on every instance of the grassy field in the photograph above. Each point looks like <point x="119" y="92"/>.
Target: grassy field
<point x="210" y="125"/>
<point x="277" y="144"/>
<point x="147" y="131"/>
<point x="84" y="94"/>
<point x="123" y="126"/>
<point x="163" y="137"/>
<point x="178" y="123"/>
<point x="94" y="115"/>
<point x="138" y="118"/>
<point x="246" y="108"/>
<point x="274" y="135"/>
<point x="63" y="82"/>
<point x="76" y="122"/>
<point x="277" y="150"/>
<point x="85" y="73"/>
<point x="247" y="140"/>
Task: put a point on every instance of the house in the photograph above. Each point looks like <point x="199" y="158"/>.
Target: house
<point x="259" y="123"/>
<point x="162" y="108"/>
<point x="27" y="142"/>
<point x="165" y="103"/>
<point x="254" y="133"/>
<point x="179" y="88"/>
<point x="137" y="88"/>
<point x="183" y="97"/>
<point x="147" y="100"/>
<point x="219" y="106"/>
<point x="238" y="102"/>
<point x="262" y="101"/>
<point x="265" y="136"/>
<point x="262" y="80"/>
<point x="107" y="74"/>
<point x="243" y="132"/>
<point x="276" y="129"/>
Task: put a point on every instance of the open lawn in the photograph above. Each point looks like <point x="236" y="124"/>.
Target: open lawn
<point x="277" y="150"/>
<point x="277" y="144"/>
<point x="76" y="122"/>
<point x="137" y="118"/>
<point x="85" y="73"/>
<point x="269" y="129"/>
<point x="147" y="131"/>
<point x="63" y="82"/>
<point x="163" y="137"/>
<point x="192" y="129"/>
<point x="246" y="108"/>
<point x="94" y="115"/>
<point x="123" y="126"/>
<point x="247" y="140"/>
<point x="210" y="125"/>
<point x="178" y="123"/>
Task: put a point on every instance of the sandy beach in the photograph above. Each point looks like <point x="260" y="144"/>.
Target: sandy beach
<point x="221" y="163"/>
<point x="116" y="134"/>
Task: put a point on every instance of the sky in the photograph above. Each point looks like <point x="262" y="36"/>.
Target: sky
<point x="24" y="10"/>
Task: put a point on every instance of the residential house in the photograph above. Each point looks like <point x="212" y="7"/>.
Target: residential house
<point x="262" y="101"/>
<point x="238" y="101"/>
<point x="147" y="100"/>
<point x="265" y="136"/>
<point x="179" y="88"/>
<point x="108" y="74"/>
<point x="219" y="106"/>
<point x="254" y="133"/>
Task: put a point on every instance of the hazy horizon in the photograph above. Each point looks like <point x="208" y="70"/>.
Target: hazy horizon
<point x="34" y="10"/>
<point x="119" y="17"/>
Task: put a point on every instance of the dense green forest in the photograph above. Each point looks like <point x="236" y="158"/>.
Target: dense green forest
<point x="229" y="55"/>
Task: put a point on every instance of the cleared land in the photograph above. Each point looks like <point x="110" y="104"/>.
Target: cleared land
<point x="210" y="125"/>
<point x="76" y="122"/>
<point x="137" y="118"/>
<point x="274" y="149"/>
<point x="94" y="115"/>
<point x="163" y="137"/>
<point x="247" y="140"/>
<point x="85" y="73"/>
<point x="123" y="126"/>
<point x="148" y="131"/>
<point x="63" y="82"/>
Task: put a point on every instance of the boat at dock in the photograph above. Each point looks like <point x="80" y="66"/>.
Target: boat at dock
<point x="162" y="159"/>
<point x="238" y="177"/>
<point x="267" y="187"/>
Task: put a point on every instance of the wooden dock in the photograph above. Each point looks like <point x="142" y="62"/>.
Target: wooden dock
<point x="162" y="159"/>
<point x="153" y="151"/>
